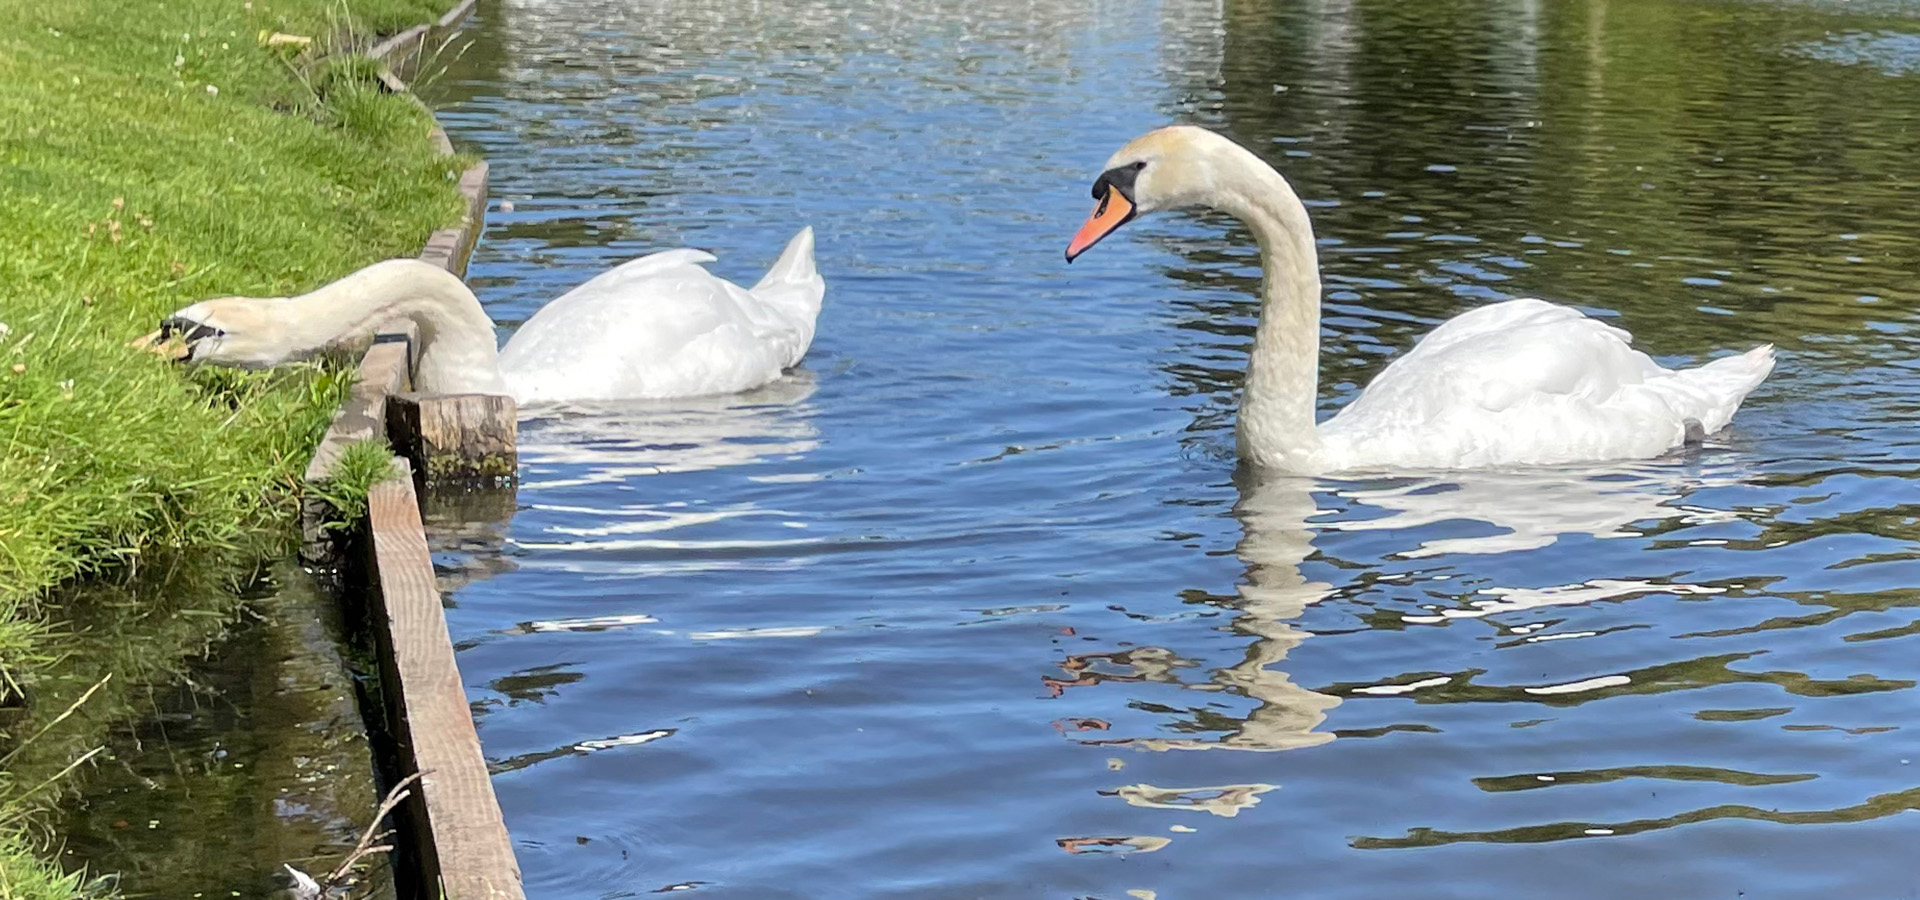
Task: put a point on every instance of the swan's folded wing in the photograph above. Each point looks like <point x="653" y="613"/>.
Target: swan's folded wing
<point x="671" y="331"/>
<point x="1505" y="355"/>
<point x="638" y="268"/>
<point x="1522" y="380"/>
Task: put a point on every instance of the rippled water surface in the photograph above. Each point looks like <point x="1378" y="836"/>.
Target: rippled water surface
<point x="975" y="604"/>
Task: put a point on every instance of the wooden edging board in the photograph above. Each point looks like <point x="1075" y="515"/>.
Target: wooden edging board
<point x="457" y="834"/>
<point x="451" y="824"/>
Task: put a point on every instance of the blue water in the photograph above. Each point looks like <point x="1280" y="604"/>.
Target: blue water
<point x="975" y="604"/>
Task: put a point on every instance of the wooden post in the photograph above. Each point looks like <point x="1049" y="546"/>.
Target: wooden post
<point x="456" y="440"/>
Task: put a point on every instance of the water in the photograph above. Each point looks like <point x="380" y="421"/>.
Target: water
<point x="976" y="605"/>
<point x="226" y="749"/>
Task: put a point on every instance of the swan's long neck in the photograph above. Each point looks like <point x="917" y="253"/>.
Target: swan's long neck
<point x="1276" y="428"/>
<point x="458" y="352"/>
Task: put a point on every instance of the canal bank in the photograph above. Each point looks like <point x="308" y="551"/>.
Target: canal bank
<point x="157" y="155"/>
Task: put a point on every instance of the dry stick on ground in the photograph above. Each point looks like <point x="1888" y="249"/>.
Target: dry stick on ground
<point x="305" y="888"/>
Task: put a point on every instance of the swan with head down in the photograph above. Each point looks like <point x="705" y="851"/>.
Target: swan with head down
<point x="1523" y="382"/>
<point x="659" y="326"/>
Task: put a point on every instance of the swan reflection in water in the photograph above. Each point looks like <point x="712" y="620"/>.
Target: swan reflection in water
<point x="577" y="444"/>
<point x="1279" y="516"/>
<point x="563" y="447"/>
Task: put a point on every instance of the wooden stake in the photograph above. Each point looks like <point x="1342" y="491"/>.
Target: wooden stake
<point x="456" y="440"/>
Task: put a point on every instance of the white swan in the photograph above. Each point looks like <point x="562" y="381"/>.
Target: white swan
<point x="657" y="327"/>
<point x="1524" y="382"/>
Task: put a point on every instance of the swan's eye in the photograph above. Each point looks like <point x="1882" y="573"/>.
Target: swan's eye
<point x="1119" y="178"/>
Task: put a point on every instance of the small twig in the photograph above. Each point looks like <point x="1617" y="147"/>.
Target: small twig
<point x="366" y="846"/>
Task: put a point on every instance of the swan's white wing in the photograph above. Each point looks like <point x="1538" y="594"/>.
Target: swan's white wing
<point x="659" y="326"/>
<point x="638" y="268"/>
<point x="1528" y="382"/>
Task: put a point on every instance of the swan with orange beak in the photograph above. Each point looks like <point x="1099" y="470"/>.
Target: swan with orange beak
<point x="1522" y="382"/>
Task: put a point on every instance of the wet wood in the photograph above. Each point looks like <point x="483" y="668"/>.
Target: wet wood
<point x="454" y="17"/>
<point x="456" y="440"/>
<point x="454" y="824"/>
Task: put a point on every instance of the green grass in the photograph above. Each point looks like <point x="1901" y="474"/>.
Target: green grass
<point x="361" y="465"/>
<point x="153" y="153"/>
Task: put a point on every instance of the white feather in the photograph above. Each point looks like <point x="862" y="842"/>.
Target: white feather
<point x="1529" y="382"/>
<point x="304" y="887"/>
<point x="662" y="326"/>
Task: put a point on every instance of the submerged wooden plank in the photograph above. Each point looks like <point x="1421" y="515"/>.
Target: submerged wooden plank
<point x="460" y="837"/>
<point x="455" y="17"/>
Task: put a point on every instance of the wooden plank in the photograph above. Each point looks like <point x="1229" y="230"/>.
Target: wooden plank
<point x="455" y="17"/>
<point x="398" y="53"/>
<point x="382" y="373"/>
<point x="456" y="440"/>
<point x="450" y="248"/>
<point x="399" y="331"/>
<point x="451" y="828"/>
<point x="405" y="333"/>
<point x="460" y="837"/>
<point x="400" y="57"/>
<point x="364" y="414"/>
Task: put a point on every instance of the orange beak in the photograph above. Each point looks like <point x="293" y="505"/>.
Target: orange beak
<point x="1114" y="211"/>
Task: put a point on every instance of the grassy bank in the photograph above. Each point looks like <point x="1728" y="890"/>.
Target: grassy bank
<point x="154" y="153"/>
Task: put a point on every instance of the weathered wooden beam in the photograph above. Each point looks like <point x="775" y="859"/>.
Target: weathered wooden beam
<point x="456" y="440"/>
<point x="450" y="248"/>
<point x="382" y="372"/>
<point x="454" y="826"/>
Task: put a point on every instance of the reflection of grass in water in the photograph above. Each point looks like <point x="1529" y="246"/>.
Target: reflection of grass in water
<point x="1875" y="807"/>
<point x="239" y="750"/>
<point x="156" y="155"/>
<point x="139" y="633"/>
<point x="1669" y="161"/>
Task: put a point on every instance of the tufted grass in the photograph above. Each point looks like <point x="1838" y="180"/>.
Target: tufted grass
<point x="154" y="153"/>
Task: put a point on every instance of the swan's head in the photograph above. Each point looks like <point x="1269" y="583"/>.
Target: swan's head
<point x="1169" y="168"/>
<point x="230" y="331"/>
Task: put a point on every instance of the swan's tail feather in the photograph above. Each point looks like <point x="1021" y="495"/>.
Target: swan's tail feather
<point x="1726" y="382"/>
<point x="795" y="265"/>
